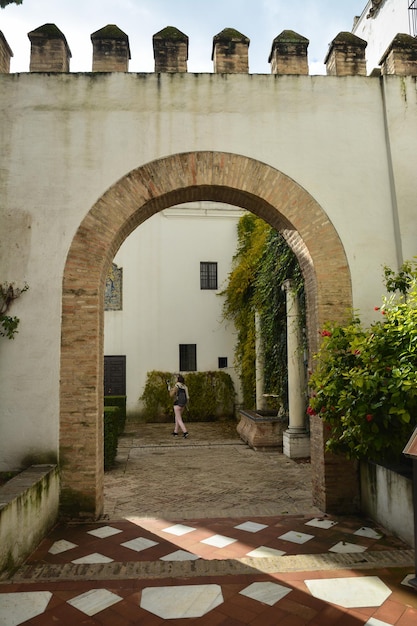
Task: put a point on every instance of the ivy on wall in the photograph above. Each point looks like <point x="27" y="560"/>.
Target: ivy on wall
<point x="263" y="261"/>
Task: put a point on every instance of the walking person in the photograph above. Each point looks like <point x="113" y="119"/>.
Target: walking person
<point x="180" y="392"/>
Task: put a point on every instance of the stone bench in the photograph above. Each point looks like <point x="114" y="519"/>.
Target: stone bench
<point x="28" y="509"/>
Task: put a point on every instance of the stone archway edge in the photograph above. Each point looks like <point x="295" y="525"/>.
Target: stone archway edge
<point x="175" y="179"/>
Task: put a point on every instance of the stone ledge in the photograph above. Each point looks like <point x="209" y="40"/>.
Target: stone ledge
<point x="159" y="570"/>
<point x="28" y="509"/>
<point x="261" y="432"/>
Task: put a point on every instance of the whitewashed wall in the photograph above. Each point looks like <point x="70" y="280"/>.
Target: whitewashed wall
<point x="65" y="139"/>
<point x="163" y="305"/>
<point x="379" y="31"/>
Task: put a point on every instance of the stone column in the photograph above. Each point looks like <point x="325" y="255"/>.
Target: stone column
<point x="296" y="441"/>
<point x="49" y="50"/>
<point x="170" y="50"/>
<point x="5" y="55"/>
<point x="289" y="54"/>
<point x="346" y="56"/>
<point x="261" y="403"/>
<point x="230" y="52"/>
<point x="400" y="58"/>
<point x="111" y="51"/>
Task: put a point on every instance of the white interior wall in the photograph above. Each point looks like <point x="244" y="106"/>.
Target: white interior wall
<point x="379" y="31"/>
<point x="163" y="305"/>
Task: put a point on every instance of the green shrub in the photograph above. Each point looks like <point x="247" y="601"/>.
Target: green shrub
<point x="111" y="429"/>
<point x="212" y="395"/>
<point x="365" y="384"/>
<point x="155" y="396"/>
<point x="119" y="401"/>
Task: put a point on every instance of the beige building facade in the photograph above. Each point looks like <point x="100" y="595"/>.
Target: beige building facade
<point x="88" y="158"/>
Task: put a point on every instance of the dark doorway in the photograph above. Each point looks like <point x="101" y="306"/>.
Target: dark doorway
<point x="114" y="375"/>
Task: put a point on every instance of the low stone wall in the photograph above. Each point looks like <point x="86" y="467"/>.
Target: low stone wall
<point x="261" y="432"/>
<point x="387" y="497"/>
<point x="28" y="509"/>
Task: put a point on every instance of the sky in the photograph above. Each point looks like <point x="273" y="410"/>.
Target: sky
<point x="259" y="20"/>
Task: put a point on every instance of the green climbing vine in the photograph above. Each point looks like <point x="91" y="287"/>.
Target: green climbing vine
<point x="9" y="324"/>
<point x="262" y="262"/>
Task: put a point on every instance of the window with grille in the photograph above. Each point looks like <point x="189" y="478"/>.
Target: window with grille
<point x="188" y="357"/>
<point x="208" y="275"/>
<point x="222" y="362"/>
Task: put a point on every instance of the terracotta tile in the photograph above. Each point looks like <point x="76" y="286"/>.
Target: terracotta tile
<point x="269" y="618"/>
<point x="290" y="605"/>
<point x="237" y="610"/>
<point x="408" y="618"/>
<point x="213" y="618"/>
<point x="390" y="611"/>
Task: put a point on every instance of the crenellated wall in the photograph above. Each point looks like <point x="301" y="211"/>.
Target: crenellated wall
<point x="230" y="55"/>
<point x="86" y="158"/>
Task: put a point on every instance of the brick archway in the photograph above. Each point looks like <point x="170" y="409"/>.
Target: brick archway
<point x="180" y="178"/>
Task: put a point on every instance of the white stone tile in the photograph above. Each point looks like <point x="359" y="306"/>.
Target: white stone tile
<point x="139" y="544"/>
<point x="95" y="557"/>
<point x="16" y="608"/>
<point x="181" y="601"/>
<point x="355" y="592"/>
<point x="104" y="531"/>
<point x="180" y="555"/>
<point x="178" y="529"/>
<point x="406" y="581"/>
<point x="94" y="601"/>
<point x="296" y="537"/>
<point x="218" y="541"/>
<point x="264" y="552"/>
<point x="62" y="545"/>
<point x="268" y="593"/>
<point x="344" y="547"/>
<point x="376" y="622"/>
<point x="368" y="532"/>
<point x="319" y="522"/>
<point x="251" y="527"/>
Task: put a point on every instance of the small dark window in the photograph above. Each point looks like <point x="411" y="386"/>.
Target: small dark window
<point x="222" y="362"/>
<point x="188" y="357"/>
<point x="208" y="275"/>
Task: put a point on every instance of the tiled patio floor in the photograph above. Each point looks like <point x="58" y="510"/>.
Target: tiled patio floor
<point x="286" y="570"/>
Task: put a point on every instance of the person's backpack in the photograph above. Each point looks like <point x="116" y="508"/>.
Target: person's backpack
<point x="181" y="397"/>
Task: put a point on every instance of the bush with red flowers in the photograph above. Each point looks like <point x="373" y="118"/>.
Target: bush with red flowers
<point x="365" y="382"/>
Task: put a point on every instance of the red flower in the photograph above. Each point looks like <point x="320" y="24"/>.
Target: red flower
<point x="310" y="411"/>
<point x="369" y="417"/>
<point x="376" y="308"/>
<point x="326" y="333"/>
<point x="357" y="352"/>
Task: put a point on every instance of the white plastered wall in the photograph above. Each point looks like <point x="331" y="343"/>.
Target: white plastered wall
<point x="163" y="305"/>
<point x="66" y="139"/>
<point x="378" y="31"/>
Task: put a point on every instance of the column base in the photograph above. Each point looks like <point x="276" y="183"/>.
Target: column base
<point x="296" y="445"/>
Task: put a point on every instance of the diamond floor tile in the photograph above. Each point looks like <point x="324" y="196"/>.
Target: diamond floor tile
<point x="94" y="601"/>
<point x="268" y="593"/>
<point x="344" y="547"/>
<point x="251" y="527"/>
<point x="364" y="591"/>
<point x="181" y="602"/>
<point x="139" y="544"/>
<point x="16" y="608"/>
<point x="218" y="541"/>
<point x="104" y="531"/>
<point x="93" y="558"/>
<point x="295" y="537"/>
<point x="61" y="546"/>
